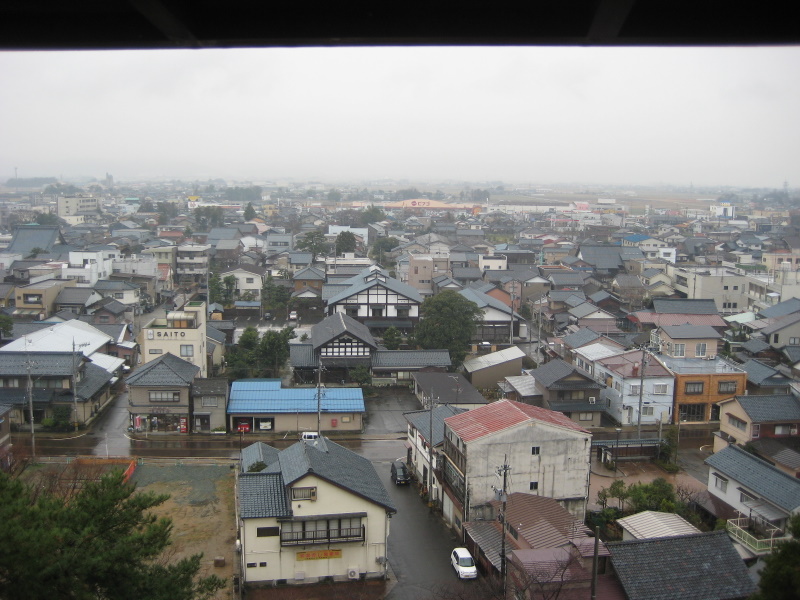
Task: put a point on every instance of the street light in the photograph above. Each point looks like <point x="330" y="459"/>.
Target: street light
<point x="616" y="451"/>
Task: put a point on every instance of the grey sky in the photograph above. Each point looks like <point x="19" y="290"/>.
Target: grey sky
<point x="719" y="116"/>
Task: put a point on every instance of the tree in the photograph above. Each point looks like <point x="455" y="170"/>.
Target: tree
<point x="780" y="577"/>
<point x="345" y="242"/>
<point x="449" y="321"/>
<point x="382" y="246"/>
<point x="228" y="288"/>
<point x="392" y="338"/>
<point x="334" y="196"/>
<point x="36" y="252"/>
<point x="6" y="325"/>
<point x="249" y="212"/>
<point x="46" y="219"/>
<point x="273" y="349"/>
<point x="361" y="375"/>
<point x="314" y="242"/>
<point x="255" y="356"/>
<point x="373" y="214"/>
<point x="215" y="288"/>
<point x="100" y="542"/>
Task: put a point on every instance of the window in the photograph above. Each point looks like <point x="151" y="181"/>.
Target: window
<point x="119" y="295"/>
<point x="187" y="350"/>
<point x="251" y="565"/>
<point x="692" y="412"/>
<point x="647" y="411"/>
<point x="720" y="482"/>
<point x="694" y="387"/>
<point x="679" y="350"/>
<point x="794" y="341"/>
<point x="267" y="531"/>
<point x="724" y="287"/>
<point x="308" y="493"/>
<point x="534" y="486"/>
<point x="587" y="416"/>
<point x="155" y="351"/>
<point x="635" y="389"/>
<point x="209" y="401"/>
<point x="745" y="497"/>
<point x="775" y="339"/>
<point x="737" y="422"/>
<point x="727" y="387"/>
<point x="535" y="450"/>
<point x="700" y="349"/>
<point x="165" y="396"/>
<point x="249" y="279"/>
<point x="782" y="429"/>
<point x="756" y="431"/>
<point x="377" y="312"/>
<point x="660" y="388"/>
<point x="736" y="287"/>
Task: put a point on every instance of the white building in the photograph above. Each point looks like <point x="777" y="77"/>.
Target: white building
<point x="317" y="512"/>
<point x="182" y="333"/>
<point x="547" y="453"/>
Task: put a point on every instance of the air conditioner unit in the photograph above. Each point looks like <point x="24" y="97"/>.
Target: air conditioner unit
<point x="352" y="573"/>
<point x="592" y="399"/>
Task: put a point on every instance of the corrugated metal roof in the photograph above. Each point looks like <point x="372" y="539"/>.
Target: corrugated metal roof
<point x="661" y="319"/>
<point x="652" y="524"/>
<point x="263" y="397"/>
<point x="503" y="414"/>
<point x="493" y="359"/>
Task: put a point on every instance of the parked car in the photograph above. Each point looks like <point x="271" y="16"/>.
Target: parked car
<point x="293" y="315"/>
<point x="400" y="474"/>
<point x="463" y="564"/>
<point x="267" y="316"/>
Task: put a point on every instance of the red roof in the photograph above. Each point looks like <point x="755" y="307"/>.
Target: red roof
<point x="500" y="415"/>
<point x="643" y="316"/>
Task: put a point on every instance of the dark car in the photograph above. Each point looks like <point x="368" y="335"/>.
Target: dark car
<point x="400" y="474"/>
<point x="267" y="316"/>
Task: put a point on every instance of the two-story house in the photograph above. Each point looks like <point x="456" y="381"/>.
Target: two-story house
<point x="765" y="497"/>
<point x="37" y="301"/>
<point x="547" y="453"/>
<point x="159" y="398"/>
<point x="249" y="281"/>
<point x="123" y="291"/>
<point x="686" y="341"/>
<point x="557" y="385"/>
<point x="624" y="375"/>
<point x="700" y="384"/>
<point x="767" y="424"/>
<point x="316" y="511"/>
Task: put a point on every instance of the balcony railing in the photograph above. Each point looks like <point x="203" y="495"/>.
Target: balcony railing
<point x="741" y="530"/>
<point x="323" y="536"/>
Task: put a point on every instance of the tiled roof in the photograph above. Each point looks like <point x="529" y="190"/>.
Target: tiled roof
<point x="74" y="295"/>
<point x="662" y="319"/>
<point x="421" y="420"/>
<point x="41" y="363"/>
<point x="365" y="282"/>
<point x="411" y="358"/>
<point x="302" y="355"/>
<point x="685" y="306"/>
<point x="167" y="369"/>
<point x="263" y="495"/>
<point x="754" y="345"/>
<point x="217" y="386"/>
<point x="760" y="374"/>
<point x="28" y="237"/>
<point x="485" y="300"/>
<point x="500" y="415"/>
<point x="782" y="451"/>
<point x="309" y="273"/>
<point x="580" y="338"/>
<point x="258" y="452"/>
<point x="703" y="566"/>
<point x="448" y="388"/>
<point x="543" y="522"/>
<point x="107" y="285"/>
<point x="336" y="464"/>
<point x="771" y="408"/>
<point x="653" y="524"/>
<point x="781" y="309"/>
<point x="768" y="482"/>
<point x="93" y="380"/>
<point x="792" y="353"/>
<point x="781" y="323"/>
<point x="681" y="332"/>
<point x="339" y="324"/>
<point x="553" y="371"/>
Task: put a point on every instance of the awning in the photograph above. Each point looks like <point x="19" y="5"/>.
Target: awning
<point x="765" y="511"/>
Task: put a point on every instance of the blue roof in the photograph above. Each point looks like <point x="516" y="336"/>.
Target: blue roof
<point x="260" y="396"/>
<point x="636" y="237"/>
<point x="247" y="303"/>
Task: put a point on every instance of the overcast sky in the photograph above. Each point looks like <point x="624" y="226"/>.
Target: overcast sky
<point x="720" y="116"/>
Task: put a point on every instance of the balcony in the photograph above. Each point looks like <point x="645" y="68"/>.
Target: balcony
<point x="323" y="536"/>
<point x="755" y="538"/>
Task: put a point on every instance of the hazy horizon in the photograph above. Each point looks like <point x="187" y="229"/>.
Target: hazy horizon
<point x="706" y="117"/>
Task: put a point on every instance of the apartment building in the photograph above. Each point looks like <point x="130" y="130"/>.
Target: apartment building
<point x="191" y="263"/>
<point x="726" y="285"/>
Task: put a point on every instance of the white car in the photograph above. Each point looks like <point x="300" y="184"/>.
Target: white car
<point x="463" y="563"/>
<point x="293" y="315"/>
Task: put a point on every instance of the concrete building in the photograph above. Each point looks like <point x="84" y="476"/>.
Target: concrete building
<point x="192" y="262"/>
<point x="182" y="333"/>
<point x="547" y="452"/>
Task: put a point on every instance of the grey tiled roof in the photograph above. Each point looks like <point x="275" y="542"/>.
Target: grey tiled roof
<point x="792" y="353"/>
<point x="754" y="346"/>
<point x="421" y="420"/>
<point x="411" y="358"/>
<point x="165" y="370"/>
<point x="74" y="295"/>
<point x="360" y="282"/>
<point x="781" y="323"/>
<point x="106" y="285"/>
<point x="580" y="338"/>
<point x="332" y="462"/>
<point x="781" y="309"/>
<point x="771" y="408"/>
<point x="336" y="325"/>
<point x="263" y="495"/>
<point x="302" y="355"/>
<point x="685" y="306"/>
<point x="551" y="372"/>
<point x="214" y="334"/>
<point x="258" y="452"/>
<point x="703" y="566"/>
<point x="761" y="374"/>
<point x="94" y="378"/>
<point x="28" y="237"/>
<point x="41" y="363"/>
<point x="759" y="476"/>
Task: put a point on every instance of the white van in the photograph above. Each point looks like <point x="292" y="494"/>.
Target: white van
<point x="309" y="436"/>
<point x="463" y="564"/>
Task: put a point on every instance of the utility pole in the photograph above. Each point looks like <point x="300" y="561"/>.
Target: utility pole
<point x="504" y="469"/>
<point x="641" y="391"/>
<point x="431" y="406"/>
<point x="319" y="397"/>
<point x="30" y="401"/>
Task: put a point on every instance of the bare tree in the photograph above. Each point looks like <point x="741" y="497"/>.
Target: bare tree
<point x="550" y="579"/>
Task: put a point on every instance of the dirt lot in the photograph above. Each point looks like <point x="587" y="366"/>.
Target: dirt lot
<point x="202" y="510"/>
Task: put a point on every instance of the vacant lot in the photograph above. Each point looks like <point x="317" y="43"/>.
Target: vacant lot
<point x="201" y="506"/>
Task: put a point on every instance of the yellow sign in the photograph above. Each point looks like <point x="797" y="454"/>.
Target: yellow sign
<point x="319" y="554"/>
